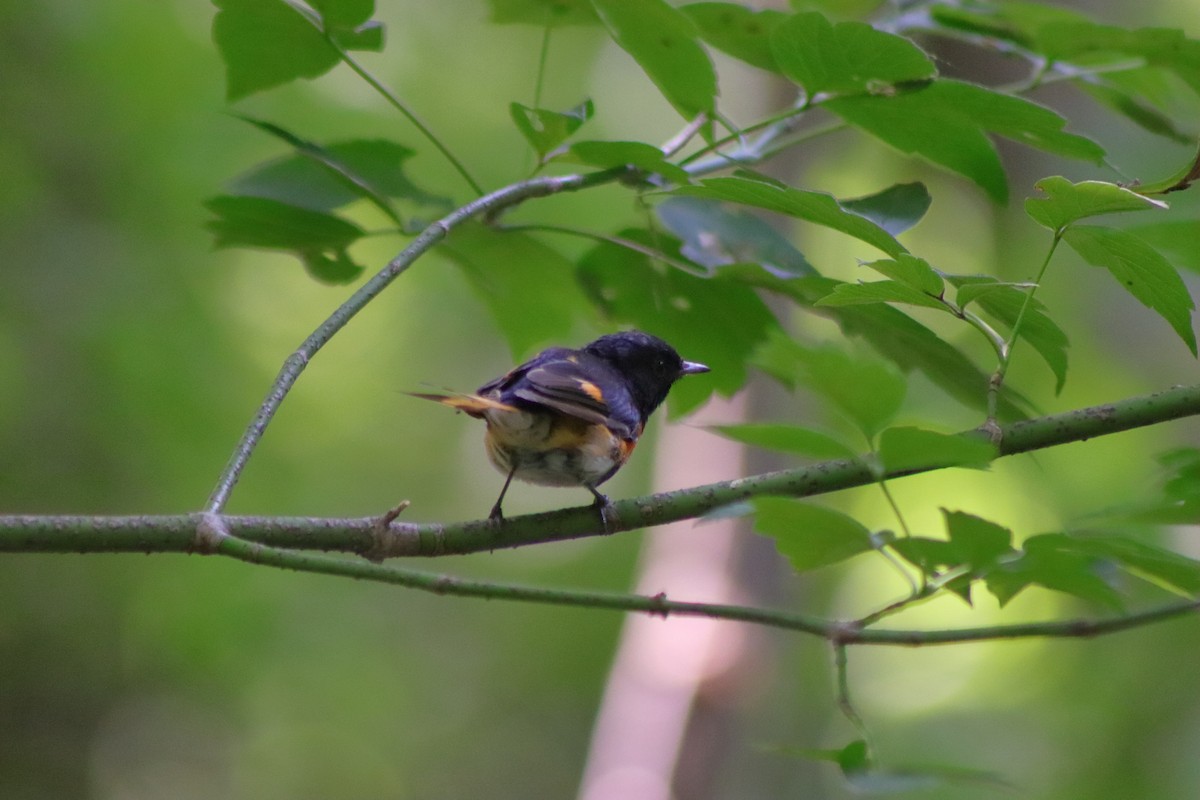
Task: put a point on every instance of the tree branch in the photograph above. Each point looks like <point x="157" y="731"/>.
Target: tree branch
<point x="488" y="205"/>
<point x="367" y="536"/>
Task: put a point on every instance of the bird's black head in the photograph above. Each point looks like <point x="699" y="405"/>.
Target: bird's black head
<point x="650" y="365"/>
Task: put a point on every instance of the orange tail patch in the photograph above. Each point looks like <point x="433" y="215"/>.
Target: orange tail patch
<point x="471" y="404"/>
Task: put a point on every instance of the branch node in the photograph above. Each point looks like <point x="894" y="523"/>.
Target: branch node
<point x="210" y="532"/>
<point x="387" y="541"/>
<point x="659" y="607"/>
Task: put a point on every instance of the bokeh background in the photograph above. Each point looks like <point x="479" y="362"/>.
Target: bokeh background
<point x="132" y="354"/>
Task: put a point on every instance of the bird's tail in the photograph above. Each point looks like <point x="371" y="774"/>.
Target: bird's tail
<point x="471" y="404"/>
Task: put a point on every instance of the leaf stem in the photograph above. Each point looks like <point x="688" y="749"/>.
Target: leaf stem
<point x="997" y="380"/>
<point x="399" y="105"/>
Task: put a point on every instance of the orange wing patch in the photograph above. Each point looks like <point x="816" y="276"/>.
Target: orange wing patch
<point x="592" y="390"/>
<point x="471" y="404"/>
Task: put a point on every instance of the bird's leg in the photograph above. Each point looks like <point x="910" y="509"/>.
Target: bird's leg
<point x="607" y="513"/>
<point x="496" y="514"/>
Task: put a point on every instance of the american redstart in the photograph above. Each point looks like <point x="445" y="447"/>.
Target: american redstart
<point x="572" y="417"/>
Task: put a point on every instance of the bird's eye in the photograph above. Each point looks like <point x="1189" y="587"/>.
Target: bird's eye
<point x="660" y="366"/>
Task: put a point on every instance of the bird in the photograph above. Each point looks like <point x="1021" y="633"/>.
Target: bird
<point x="571" y="417"/>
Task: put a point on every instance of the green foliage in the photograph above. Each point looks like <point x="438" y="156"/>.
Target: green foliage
<point x="266" y="43"/>
<point x="709" y="248"/>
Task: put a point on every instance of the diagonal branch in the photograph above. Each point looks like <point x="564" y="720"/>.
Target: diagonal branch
<point x="488" y="205"/>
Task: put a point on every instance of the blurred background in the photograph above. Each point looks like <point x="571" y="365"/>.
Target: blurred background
<point x="132" y="355"/>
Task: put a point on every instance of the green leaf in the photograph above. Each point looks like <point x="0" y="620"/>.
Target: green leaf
<point x="267" y="43"/>
<point x="1004" y="302"/>
<point x="892" y="333"/>
<point x="546" y="130"/>
<point x="1177" y="237"/>
<point x="846" y="58"/>
<point x="970" y="288"/>
<point x="911" y="271"/>
<point x="715" y="236"/>
<point x="1145" y="116"/>
<point x="978" y="543"/>
<point x="546" y="13"/>
<point x="528" y="286"/>
<point x="356" y="184"/>
<point x="1067" y="202"/>
<point x="1181" y="179"/>
<point x="262" y="222"/>
<point x="738" y="31"/>
<point x="848" y="294"/>
<point x="319" y="240"/>
<point x="867" y="391"/>
<point x="1167" y="48"/>
<point x="645" y="157"/>
<point x="815" y="207"/>
<point x="662" y="40"/>
<point x="809" y="536"/>
<point x="714" y="320"/>
<point x="895" y="209"/>
<point x="1140" y="270"/>
<point x="1013" y="21"/>
<point x="905" y="448"/>
<point x="786" y="439"/>
<point x="1177" y="572"/>
<point x="947" y="121"/>
<point x="340" y="174"/>
<point x="337" y="268"/>
<point x="1054" y="561"/>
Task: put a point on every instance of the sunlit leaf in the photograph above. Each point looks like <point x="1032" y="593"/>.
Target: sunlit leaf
<point x="847" y="57"/>
<point x="1067" y="202"/>
<point x="907" y="448"/>
<point x="663" y="41"/>
<point x="1168" y="48"/>
<point x="1140" y="270"/>
<point x="1054" y="561"/>
<point x="809" y="536"/>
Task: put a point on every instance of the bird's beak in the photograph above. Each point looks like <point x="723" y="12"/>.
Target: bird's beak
<point x="693" y="368"/>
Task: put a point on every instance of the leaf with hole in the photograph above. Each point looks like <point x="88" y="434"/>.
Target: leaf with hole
<point x="545" y="129"/>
